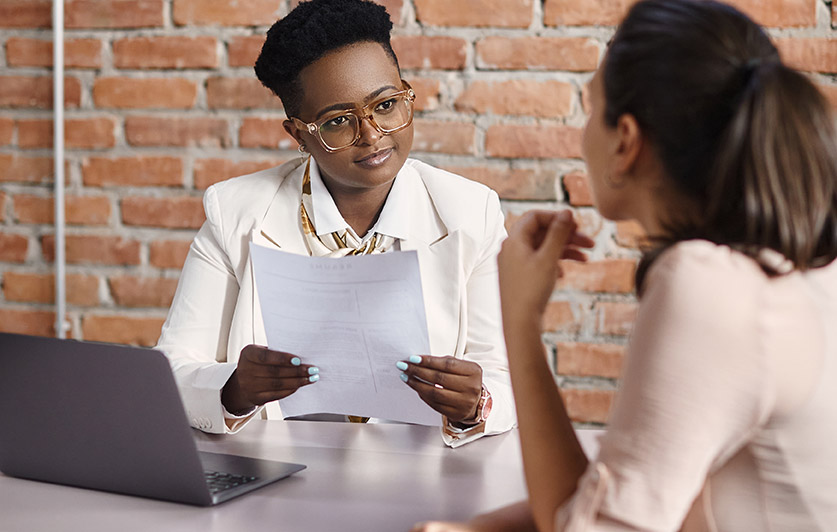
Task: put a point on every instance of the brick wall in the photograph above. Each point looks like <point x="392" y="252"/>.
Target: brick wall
<point x="162" y="102"/>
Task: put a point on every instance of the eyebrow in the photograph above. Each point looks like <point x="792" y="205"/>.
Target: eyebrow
<point x="350" y="105"/>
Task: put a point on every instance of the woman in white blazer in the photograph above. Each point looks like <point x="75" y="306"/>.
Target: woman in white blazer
<point x="354" y="191"/>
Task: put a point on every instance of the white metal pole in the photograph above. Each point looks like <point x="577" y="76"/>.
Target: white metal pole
<point x="58" y="150"/>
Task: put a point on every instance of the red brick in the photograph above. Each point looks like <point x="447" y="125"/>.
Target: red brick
<point x="166" y="52"/>
<point x="611" y="276"/>
<point x="428" y="93"/>
<point x="456" y="138"/>
<point x="616" y="318"/>
<point x="588" y="406"/>
<point x="560" y="317"/>
<point x="131" y="330"/>
<point x="78" y="53"/>
<point x="243" y="50"/>
<point x="578" y="189"/>
<point x="630" y="234"/>
<point x="26" y="14"/>
<point x="393" y="7"/>
<point x="204" y="132"/>
<point x="585" y="12"/>
<point x="265" y="133"/>
<point x="29" y="288"/>
<point x="113" y="13"/>
<point x="480" y="13"/>
<point x="590" y="360"/>
<point x="34" y="322"/>
<point x="92" y="249"/>
<point x="168" y="253"/>
<point x="225" y="12"/>
<point x="813" y="55"/>
<point x="78" y="210"/>
<point x="36" y="92"/>
<point x="542" y="99"/>
<point x="516" y="141"/>
<point x="7" y="129"/>
<point x="779" y="13"/>
<point x="176" y="213"/>
<point x="513" y="183"/>
<point x="239" y="93"/>
<point x="13" y="248"/>
<point x="82" y="133"/>
<point x="211" y="171"/>
<point x="14" y="168"/>
<point x="132" y="171"/>
<point x="132" y="93"/>
<point x="575" y="54"/>
<point x="131" y="291"/>
<point x="82" y="290"/>
<point x="430" y="52"/>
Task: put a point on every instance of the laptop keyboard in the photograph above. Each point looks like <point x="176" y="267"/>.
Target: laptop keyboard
<point x="218" y="481"/>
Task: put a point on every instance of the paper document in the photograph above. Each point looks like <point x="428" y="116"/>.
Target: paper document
<point x="352" y="317"/>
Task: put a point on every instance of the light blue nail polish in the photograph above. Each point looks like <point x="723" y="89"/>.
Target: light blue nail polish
<point x="313" y="378"/>
<point x="313" y="371"/>
<point x="404" y="377"/>
<point x="415" y="359"/>
<point x="401" y="365"/>
<point x="296" y="361"/>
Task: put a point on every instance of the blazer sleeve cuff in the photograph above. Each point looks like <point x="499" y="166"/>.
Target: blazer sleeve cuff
<point x="200" y="388"/>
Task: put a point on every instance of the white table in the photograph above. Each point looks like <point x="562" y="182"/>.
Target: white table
<point x="359" y="477"/>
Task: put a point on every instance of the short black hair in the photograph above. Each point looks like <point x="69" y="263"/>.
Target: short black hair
<point x="310" y="31"/>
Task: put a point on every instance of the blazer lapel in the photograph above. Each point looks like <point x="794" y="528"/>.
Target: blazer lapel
<point x="440" y="264"/>
<point x="280" y="228"/>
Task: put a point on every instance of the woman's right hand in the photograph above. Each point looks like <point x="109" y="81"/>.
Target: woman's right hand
<point x="528" y="263"/>
<point x="262" y="376"/>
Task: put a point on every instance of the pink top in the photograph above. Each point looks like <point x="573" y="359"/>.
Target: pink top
<point x="728" y="405"/>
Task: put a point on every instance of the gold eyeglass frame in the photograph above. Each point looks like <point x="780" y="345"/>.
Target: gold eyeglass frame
<point x="362" y="113"/>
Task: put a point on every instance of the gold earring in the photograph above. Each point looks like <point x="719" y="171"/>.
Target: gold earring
<point x="301" y="149"/>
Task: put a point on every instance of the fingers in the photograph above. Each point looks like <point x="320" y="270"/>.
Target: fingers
<point x="275" y="389"/>
<point x="558" y="234"/>
<point x="262" y="355"/>
<point x="447" y="364"/>
<point x="450" y="386"/>
<point x="265" y="375"/>
<point x="535" y="226"/>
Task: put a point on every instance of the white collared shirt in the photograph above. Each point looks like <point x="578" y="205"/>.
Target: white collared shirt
<point x="393" y="220"/>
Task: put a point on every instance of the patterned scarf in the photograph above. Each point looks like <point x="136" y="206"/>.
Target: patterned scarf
<point x="338" y="243"/>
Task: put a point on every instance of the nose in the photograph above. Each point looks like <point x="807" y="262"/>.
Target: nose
<point x="369" y="134"/>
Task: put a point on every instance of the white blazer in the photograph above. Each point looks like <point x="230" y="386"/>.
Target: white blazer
<point x="456" y="226"/>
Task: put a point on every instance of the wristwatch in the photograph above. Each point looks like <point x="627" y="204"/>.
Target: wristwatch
<point x="483" y="407"/>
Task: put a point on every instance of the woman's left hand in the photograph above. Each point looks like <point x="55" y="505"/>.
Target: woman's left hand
<point x="449" y="385"/>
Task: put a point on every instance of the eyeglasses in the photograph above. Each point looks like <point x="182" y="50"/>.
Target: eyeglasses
<point x="338" y="130"/>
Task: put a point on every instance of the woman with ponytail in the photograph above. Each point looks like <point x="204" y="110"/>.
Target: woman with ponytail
<point x="727" y="414"/>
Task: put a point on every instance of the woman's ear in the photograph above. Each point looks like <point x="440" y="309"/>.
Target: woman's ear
<point x="293" y="131"/>
<point x="629" y="144"/>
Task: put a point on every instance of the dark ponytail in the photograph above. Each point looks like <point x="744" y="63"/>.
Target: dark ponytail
<point x="747" y="139"/>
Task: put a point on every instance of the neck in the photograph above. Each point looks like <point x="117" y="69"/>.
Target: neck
<point x="360" y="207"/>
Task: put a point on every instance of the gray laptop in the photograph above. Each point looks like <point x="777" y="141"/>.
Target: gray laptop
<point x="109" y="417"/>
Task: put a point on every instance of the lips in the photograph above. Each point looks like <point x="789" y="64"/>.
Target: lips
<point x="375" y="159"/>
